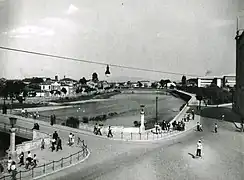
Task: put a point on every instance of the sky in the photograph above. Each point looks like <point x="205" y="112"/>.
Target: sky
<point x="183" y="36"/>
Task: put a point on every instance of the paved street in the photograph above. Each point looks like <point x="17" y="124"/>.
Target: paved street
<point x="223" y="157"/>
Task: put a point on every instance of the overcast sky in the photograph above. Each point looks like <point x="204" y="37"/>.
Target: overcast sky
<point x="186" y="36"/>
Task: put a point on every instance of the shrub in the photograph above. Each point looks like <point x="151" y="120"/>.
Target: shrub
<point x="85" y="119"/>
<point x="73" y="122"/>
<point x="136" y="124"/>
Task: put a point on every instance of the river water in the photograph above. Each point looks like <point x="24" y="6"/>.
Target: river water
<point x="127" y="106"/>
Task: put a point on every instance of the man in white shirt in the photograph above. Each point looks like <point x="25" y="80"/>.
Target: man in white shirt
<point x="199" y="149"/>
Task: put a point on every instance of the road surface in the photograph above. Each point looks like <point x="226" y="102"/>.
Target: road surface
<point x="223" y="157"/>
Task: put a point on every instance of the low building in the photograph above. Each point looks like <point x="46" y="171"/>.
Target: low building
<point x="207" y="81"/>
<point x="229" y="81"/>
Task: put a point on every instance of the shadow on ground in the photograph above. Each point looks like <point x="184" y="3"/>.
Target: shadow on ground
<point x="192" y="155"/>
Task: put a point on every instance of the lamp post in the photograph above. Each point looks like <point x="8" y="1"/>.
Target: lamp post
<point x="142" y="127"/>
<point x="157" y="109"/>
<point x="13" y="121"/>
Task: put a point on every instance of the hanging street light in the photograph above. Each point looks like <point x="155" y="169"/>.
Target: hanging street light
<point x="107" y="72"/>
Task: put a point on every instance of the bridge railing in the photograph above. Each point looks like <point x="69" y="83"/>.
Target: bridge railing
<point x="52" y="166"/>
<point x="22" y="131"/>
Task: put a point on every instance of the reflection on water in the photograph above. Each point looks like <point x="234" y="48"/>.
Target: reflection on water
<point x="127" y="106"/>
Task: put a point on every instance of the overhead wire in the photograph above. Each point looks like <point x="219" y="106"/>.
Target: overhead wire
<point x="93" y="62"/>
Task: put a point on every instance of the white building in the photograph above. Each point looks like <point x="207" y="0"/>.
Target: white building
<point x="229" y="81"/>
<point x="206" y="81"/>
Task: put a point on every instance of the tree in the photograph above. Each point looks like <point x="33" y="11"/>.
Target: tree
<point x="57" y="93"/>
<point x="94" y="77"/>
<point x="64" y="90"/>
<point x="83" y="81"/>
<point x="73" y="122"/>
<point x="154" y="85"/>
<point x="139" y="84"/>
<point x="162" y="83"/>
<point x="183" y="80"/>
<point x="36" y="80"/>
<point x="128" y="83"/>
<point x="199" y="97"/>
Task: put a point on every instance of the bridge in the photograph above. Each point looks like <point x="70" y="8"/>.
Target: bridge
<point x="20" y="131"/>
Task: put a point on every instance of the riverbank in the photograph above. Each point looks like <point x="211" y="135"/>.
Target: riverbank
<point x="46" y="103"/>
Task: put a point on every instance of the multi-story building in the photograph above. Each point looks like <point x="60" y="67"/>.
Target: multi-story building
<point x="238" y="100"/>
<point x="206" y="81"/>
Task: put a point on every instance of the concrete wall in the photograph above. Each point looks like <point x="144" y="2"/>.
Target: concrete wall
<point x="35" y="143"/>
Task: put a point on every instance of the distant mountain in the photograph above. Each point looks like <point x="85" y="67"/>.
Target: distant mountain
<point x="126" y="78"/>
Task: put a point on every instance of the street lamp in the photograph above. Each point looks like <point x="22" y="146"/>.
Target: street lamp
<point x="107" y="72"/>
<point x="157" y="109"/>
<point x="13" y="121"/>
<point x="142" y="127"/>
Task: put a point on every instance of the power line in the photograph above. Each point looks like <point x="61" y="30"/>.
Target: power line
<point x="92" y="62"/>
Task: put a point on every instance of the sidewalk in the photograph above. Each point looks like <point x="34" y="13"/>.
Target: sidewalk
<point x="149" y="136"/>
<point x="49" y="161"/>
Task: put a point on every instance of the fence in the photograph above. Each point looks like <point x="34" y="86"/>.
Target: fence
<point x="52" y="166"/>
<point x="20" y="131"/>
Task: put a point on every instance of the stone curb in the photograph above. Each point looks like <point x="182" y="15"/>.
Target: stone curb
<point x="61" y="169"/>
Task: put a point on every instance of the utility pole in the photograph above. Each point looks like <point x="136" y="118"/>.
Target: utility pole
<point x="157" y="109"/>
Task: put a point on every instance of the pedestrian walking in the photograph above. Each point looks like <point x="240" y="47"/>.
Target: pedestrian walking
<point x="110" y="135"/>
<point x="73" y="139"/>
<point x="99" y="131"/>
<point x="53" y="144"/>
<point x="198" y="126"/>
<point x="215" y="128"/>
<point x="201" y="127"/>
<point x="70" y="139"/>
<point x="9" y="164"/>
<point x="199" y="149"/>
<point x="59" y="144"/>
<point x="55" y="135"/>
<point x="42" y="144"/>
<point x="51" y="120"/>
<point x="193" y="114"/>
<point x="35" y="161"/>
<point x="95" y="129"/>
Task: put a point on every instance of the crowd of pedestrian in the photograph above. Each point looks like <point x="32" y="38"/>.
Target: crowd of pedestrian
<point x="56" y="142"/>
<point x="97" y="130"/>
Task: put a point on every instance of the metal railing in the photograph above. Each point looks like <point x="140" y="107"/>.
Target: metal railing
<point x="148" y="135"/>
<point x="52" y="166"/>
<point x="20" y="131"/>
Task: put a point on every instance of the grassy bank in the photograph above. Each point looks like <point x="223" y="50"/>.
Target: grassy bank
<point x="83" y="98"/>
<point x="17" y="105"/>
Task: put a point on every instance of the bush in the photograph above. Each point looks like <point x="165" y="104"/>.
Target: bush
<point x="136" y="124"/>
<point x="73" y="122"/>
<point x="85" y="119"/>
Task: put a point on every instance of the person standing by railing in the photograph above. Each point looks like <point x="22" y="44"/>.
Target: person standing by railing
<point x="13" y="170"/>
<point x="9" y="164"/>
<point x="21" y="158"/>
<point x="1" y="168"/>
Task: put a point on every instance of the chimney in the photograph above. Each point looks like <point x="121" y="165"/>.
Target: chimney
<point x="56" y="78"/>
<point x="64" y="76"/>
